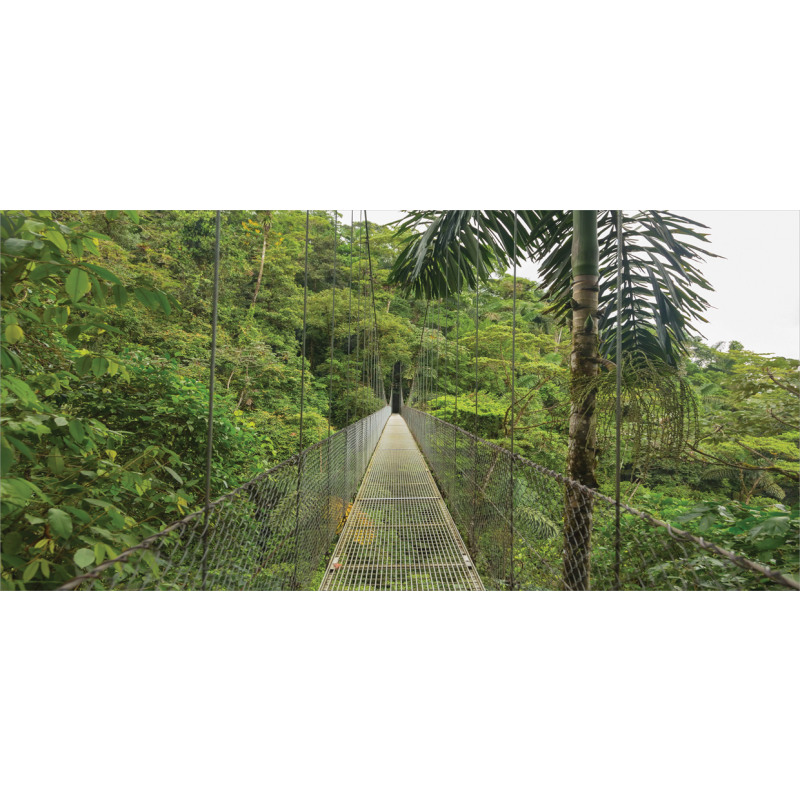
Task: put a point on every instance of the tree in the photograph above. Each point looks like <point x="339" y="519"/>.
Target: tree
<point x="577" y="252"/>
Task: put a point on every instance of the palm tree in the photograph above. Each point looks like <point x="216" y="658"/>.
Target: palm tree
<point x="578" y="256"/>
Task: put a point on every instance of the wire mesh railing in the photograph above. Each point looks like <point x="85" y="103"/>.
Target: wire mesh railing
<point x="528" y="527"/>
<point x="272" y="533"/>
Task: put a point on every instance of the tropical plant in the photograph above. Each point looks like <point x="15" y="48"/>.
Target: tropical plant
<point x="444" y="251"/>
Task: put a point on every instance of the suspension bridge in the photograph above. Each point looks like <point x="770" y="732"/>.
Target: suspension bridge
<point x="404" y="500"/>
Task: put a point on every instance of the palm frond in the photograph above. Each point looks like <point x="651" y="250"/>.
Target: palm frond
<point x="661" y="279"/>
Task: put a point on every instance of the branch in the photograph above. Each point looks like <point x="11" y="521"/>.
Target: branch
<point x="786" y="387"/>
<point x="744" y="465"/>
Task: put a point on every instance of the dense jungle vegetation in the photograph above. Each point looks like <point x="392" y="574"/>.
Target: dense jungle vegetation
<point x="106" y="333"/>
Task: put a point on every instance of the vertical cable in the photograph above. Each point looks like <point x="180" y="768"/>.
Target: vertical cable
<point x="618" y="412"/>
<point x="302" y="406"/>
<point x="446" y="362"/>
<point x="438" y="332"/>
<point x="376" y="353"/>
<point x="458" y="376"/>
<point x="210" y="432"/>
<point x="333" y="328"/>
<point x="475" y="426"/>
<point x="349" y="313"/>
<point x="513" y="386"/>
<point x="330" y="376"/>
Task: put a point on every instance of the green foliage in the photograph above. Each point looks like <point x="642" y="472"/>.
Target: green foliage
<point x="105" y="357"/>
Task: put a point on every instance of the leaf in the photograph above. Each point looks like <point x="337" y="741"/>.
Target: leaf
<point x="120" y="294"/>
<point x="112" y="214"/>
<point x="23" y="391"/>
<point x="18" y="491"/>
<point x="15" y="247"/>
<point x="147" y="298"/>
<point x="7" y="459"/>
<point x="56" y="238"/>
<point x="23" y="448"/>
<point x="99" y="366"/>
<point x="76" y="430"/>
<point x="30" y="571"/>
<point x="83" y="557"/>
<point x="174" y="475"/>
<point x="77" y="284"/>
<point x="133" y="216"/>
<point x="14" y="334"/>
<point x="103" y="273"/>
<point x="55" y="461"/>
<point x="150" y="560"/>
<point x="84" y="364"/>
<point x="60" y="522"/>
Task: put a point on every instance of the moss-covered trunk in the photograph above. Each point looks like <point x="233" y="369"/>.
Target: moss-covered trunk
<point x="582" y="430"/>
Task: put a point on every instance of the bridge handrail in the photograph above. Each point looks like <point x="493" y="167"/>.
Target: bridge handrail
<point x="674" y="532"/>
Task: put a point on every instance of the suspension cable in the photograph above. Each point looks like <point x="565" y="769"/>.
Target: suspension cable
<point x="333" y="330"/>
<point x="302" y="406"/>
<point x="330" y="376"/>
<point x="446" y="362"/>
<point x="376" y="353"/>
<point x="475" y="426"/>
<point x="458" y="336"/>
<point x="438" y="334"/>
<point x="618" y="409"/>
<point x="210" y="432"/>
<point x="349" y="312"/>
<point x="513" y="386"/>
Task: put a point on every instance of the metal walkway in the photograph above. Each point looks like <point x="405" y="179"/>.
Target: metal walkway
<point x="399" y="534"/>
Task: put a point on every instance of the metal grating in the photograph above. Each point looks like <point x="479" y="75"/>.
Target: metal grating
<point x="399" y="534"/>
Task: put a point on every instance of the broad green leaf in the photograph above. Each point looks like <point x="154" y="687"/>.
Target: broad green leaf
<point x="99" y="366"/>
<point x="76" y="430"/>
<point x="18" y="491"/>
<point x="14" y="334"/>
<point x="77" y="284"/>
<point x="55" y="461"/>
<point x="56" y="238"/>
<point x="84" y="364"/>
<point x="15" y="247"/>
<point x="30" y="571"/>
<point x="83" y="557"/>
<point x="133" y="216"/>
<point x="22" y="390"/>
<point x="60" y="522"/>
<point x="112" y="214"/>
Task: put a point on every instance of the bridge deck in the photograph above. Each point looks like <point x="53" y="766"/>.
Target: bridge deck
<point x="399" y="534"/>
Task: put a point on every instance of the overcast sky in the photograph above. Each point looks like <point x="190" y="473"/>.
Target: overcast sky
<point x="757" y="284"/>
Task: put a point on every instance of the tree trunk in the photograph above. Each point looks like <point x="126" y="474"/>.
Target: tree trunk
<point x="265" y="228"/>
<point x="583" y="369"/>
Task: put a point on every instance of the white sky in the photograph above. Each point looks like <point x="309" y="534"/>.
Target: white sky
<point x="757" y="283"/>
